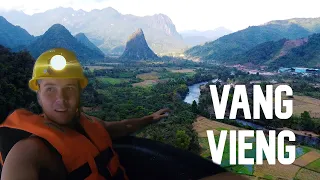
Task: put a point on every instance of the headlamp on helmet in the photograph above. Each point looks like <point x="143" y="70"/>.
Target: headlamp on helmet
<point x="58" y="62"/>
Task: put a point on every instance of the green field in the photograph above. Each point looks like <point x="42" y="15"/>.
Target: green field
<point x="113" y="81"/>
<point x="315" y="165"/>
<point x="242" y="169"/>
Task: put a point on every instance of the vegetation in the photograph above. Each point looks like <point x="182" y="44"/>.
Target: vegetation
<point x="12" y="36"/>
<point x="306" y="55"/>
<point x="239" y="42"/>
<point x="261" y="53"/>
<point x="15" y="72"/>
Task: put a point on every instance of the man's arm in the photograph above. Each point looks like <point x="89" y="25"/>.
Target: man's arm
<point x="32" y="159"/>
<point x="124" y="127"/>
<point x="22" y="162"/>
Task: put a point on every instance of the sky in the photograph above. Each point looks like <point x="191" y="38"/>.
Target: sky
<point x="187" y="14"/>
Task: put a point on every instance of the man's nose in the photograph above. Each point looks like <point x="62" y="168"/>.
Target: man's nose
<point x="61" y="96"/>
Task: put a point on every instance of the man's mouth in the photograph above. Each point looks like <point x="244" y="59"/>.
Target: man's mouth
<point x="61" y="110"/>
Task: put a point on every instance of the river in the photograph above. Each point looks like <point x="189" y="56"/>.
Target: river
<point x="194" y="94"/>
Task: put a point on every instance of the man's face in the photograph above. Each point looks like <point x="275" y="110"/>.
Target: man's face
<point x="59" y="99"/>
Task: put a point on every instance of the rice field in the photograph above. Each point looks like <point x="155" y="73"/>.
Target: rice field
<point x="306" y="174"/>
<point x="315" y="165"/>
<point x="307" y="158"/>
<point x="305" y="103"/>
<point x="305" y="167"/>
<point x="277" y="171"/>
<point x="145" y="83"/>
<point x="182" y="70"/>
<point x="148" y="76"/>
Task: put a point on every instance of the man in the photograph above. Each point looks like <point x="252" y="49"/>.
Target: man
<point x="65" y="143"/>
<point x="58" y="80"/>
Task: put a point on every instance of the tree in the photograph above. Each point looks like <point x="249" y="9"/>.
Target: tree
<point x="305" y="116"/>
<point x="194" y="107"/>
<point x="15" y="72"/>
<point x="307" y="123"/>
<point x="182" y="139"/>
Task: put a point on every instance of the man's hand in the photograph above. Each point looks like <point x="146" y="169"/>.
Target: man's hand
<point x="162" y="113"/>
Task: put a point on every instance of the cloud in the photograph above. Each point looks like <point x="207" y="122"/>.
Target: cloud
<point x="188" y="14"/>
<point x="101" y="0"/>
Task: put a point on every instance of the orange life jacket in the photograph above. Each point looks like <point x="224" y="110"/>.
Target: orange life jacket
<point x="90" y="159"/>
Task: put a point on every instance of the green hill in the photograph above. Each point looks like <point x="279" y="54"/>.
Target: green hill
<point x="311" y="24"/>
<point x="261" y="53"/>
<point x="58" y="36"/>
<point x="226" y="47"/>
<point x="12" y="36"/>
<point x="303" y="52"/>
<point x="81" y="37"/>
<point x="306" y="55"/>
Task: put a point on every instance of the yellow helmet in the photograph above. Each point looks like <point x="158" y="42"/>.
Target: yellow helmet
<point x="57" y="63"/>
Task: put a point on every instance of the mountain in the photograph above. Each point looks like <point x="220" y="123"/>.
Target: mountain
<point x="194" y="37"/>
<point x="263" y="53"/>
<point x="58" y="36"/>
<point x="227" y="47"/>
<point x="12" y="36"/>
<point x="137" y="48"/>
<point x="304" y="52"/>
<point x="106" y="28"/>
<point x="81" y="37"/>
<point x="311" y="24"/>
<point x="305" y="55"/>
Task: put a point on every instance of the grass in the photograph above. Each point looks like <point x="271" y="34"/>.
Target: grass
<point x="315" y="165"/>
<point x="190" y="74"/>
<point x="145" y="83"/>
<point x="269" y="177"/>
<point x="221" y="128"/>
<point x="113" y="81"/>
<point x="242" y="169"/>
<point x="129" y="74"/>
<point x="305" y="103"/>
<point x="300" y="150"/>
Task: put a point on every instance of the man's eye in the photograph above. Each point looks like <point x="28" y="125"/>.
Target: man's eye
<point x="70" y="88"/>
<point x="49" y="89"/>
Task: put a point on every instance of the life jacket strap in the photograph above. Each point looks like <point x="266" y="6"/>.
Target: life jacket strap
<point x="102" y="161"/>
<point x="81" y="173"/>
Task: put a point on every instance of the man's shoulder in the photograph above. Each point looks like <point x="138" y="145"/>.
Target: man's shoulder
<point x="33" y="152"/>
<point x="36" y="150"/>
<point x="33" y="147"/>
